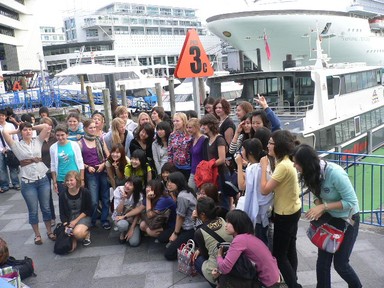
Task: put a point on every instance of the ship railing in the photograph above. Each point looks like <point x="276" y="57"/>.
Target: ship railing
<point x="292" y="111"/>
<point x="365" y="173"/>
<point x="29" y="99"/>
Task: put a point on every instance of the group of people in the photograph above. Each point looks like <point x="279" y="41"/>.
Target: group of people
<point x="146" y="169"/>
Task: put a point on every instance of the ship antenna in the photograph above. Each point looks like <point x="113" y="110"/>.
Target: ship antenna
<point x="320" y="59"/>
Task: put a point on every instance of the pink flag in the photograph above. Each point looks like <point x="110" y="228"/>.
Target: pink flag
<point x="267" y="50"/>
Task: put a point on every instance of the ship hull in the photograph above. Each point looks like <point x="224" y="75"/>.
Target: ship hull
<point x="347" y="38"/>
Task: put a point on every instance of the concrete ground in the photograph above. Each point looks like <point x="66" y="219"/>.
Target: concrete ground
<point x="106" y="263"/>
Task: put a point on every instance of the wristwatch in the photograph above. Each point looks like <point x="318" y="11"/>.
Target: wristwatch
<point x="176" y="233"/>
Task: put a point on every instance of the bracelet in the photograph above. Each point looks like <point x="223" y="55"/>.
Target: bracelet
<point x="325" y="206"/>
<point x="176" y="233"/>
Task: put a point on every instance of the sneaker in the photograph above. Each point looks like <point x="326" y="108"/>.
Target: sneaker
<point x="106" y="226"/>
<point x="87" y="241"/>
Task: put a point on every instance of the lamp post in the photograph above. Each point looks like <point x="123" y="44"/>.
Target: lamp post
<point x="41" y="59"/>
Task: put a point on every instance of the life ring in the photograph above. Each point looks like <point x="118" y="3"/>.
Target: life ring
<point x="16" y="86"/>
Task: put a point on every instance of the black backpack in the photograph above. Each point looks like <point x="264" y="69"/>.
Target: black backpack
<point x="26" y="267"/>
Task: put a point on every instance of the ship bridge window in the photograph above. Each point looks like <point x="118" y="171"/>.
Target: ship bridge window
<point x="165" y="11"/>
<point x="95" y="78"/>
<point x="126" y="76"/>
<point x="190" y="13"/>
<point x="333" y="85"/>
<point x="152" y="10"/>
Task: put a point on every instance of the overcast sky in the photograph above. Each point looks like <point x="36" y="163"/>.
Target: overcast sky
<point x="206" y="8"/>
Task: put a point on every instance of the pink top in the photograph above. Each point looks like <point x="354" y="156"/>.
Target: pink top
<point x="257" y="252"/>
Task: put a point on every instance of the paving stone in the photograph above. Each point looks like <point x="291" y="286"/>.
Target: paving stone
<point x="106" y="263"/>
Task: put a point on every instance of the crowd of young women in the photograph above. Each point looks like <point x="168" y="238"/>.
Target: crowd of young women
<point x="148" y="169"/>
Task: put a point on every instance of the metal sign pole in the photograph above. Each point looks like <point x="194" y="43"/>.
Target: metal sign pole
<point x="196" y="96"/>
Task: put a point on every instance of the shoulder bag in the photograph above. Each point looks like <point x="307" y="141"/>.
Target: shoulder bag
<point x="10" y="157"/>
<point x="325" y="236"/>
<point x="158" y="221"/>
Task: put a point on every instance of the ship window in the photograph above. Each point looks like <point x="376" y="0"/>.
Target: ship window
<point x="363" y="122"/>
<point x="339" y="134"/>
<point x="357" y="125"/>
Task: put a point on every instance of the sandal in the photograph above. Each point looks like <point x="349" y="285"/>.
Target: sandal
<point x="37" y="240"/>
<point x="51" y="236"/>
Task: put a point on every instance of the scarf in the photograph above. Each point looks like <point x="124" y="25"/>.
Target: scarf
<point x="99" y="145"/>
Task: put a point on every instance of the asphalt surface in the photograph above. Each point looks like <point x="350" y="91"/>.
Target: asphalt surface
<point x="106" y="263"/>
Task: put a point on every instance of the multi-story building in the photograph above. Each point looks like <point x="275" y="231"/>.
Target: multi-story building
<point x="20" y="44"/>
<point x="127" y="33"/>
<point x="51" y="35"/>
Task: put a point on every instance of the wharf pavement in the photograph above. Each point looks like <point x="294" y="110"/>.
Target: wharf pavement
<point x="106" y="263"/>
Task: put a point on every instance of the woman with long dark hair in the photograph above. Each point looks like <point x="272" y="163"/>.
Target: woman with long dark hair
<point x="138" y="166"/>
<point x="143" y="140"/>
<point x="205" y="255"/>
<point x="185" y="202"/>
<point x="115" y="165"/>
<point x="128" y="205"/>
<point x="160" y="145"/>
<point x="264" y="117"/>
<point x="240" y="226"/>
<point x="335" y="195"/>
<point x="287" y="205"/>
<point x="256" y="205"/>
<point x="243" y="132"/>
<point x="157" y="201"/>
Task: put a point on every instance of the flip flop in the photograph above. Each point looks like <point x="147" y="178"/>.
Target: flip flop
<point x="38" y="240"/>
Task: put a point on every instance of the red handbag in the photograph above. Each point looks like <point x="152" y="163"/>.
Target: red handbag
<point x="326" y="237"/>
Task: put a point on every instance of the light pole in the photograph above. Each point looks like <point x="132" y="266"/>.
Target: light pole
<point x="41" y="59"/>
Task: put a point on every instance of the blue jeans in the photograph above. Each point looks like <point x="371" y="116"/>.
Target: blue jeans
<point x="4" y="176"/>
<point x="284" y="246"/>
<point x="49" y="176"/>
<point x="36" y="193"/>
<point x="340" y="258"/>
<point x="98" y="186"/>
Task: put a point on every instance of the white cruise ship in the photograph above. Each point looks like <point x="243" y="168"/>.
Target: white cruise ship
<point x="351" y="31"/>
<point x="124" y="34"/>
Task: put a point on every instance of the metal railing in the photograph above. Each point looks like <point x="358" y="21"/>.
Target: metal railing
<point x="366" y="174"/>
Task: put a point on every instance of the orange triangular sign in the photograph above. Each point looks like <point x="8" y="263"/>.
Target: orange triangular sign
<point x="193" y="61"/>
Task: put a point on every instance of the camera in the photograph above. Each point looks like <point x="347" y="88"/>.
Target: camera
<point x="68" y="230"/>
<point x="225" y="245"/>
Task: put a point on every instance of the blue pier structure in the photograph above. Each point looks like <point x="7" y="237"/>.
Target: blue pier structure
<point x="54" y="96"/>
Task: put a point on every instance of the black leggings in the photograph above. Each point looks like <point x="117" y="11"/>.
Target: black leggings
<point x="284" y="246"/>
<point x="171" y="250"/>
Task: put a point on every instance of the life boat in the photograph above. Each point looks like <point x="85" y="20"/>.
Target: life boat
<point x="16" y="86"/>
<point x="377" y="23"/>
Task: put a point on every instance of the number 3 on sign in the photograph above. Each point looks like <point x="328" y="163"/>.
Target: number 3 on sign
<point x="197" y="66"/>
<point x="193" y="61"/>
